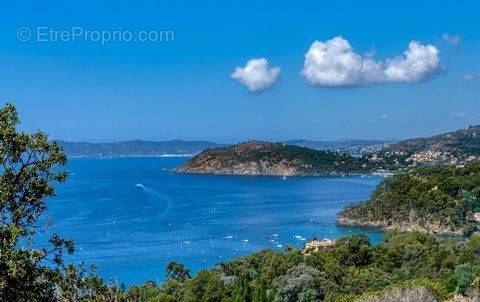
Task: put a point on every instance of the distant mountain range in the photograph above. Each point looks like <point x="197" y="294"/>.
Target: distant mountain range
<point x="136" y="148"/>
<point x="453" y="147"/>
<point x="299" y="158"/>
<point x="186" y="148"/>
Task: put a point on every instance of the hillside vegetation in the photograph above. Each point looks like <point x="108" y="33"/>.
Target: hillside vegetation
<point x="439" y="199"/>
<point x="455" y="147"/>
<point x="413" y="266"/>
<point x="264" y="158"/>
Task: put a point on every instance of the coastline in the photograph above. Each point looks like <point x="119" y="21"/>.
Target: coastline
<point x="275" y="174"/>
<point x="432" y="228"/>
<point x="180" y="170"/>
<point x="133" y="156"/>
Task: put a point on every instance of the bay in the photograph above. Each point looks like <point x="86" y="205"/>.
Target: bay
<point x="130" y="216"/>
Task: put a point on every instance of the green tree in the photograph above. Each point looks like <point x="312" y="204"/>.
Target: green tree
<point x="241" y="292"/>
<point x="177" y="271"/>
<point x="465" y="277"/>
<point x="260" y="294"/>
<point x="300" y="283"/>
<point x="354" y="250"/>
<point x="29" y="166"/>
<point x="205" y="287"/>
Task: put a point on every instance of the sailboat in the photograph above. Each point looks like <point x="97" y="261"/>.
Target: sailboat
<point x="284" y="176"/>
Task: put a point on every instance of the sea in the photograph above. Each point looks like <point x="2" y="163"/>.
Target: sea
<point x="130" y="216"/>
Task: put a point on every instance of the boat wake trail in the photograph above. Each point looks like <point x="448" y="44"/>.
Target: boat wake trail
<point x="155" y="200"/>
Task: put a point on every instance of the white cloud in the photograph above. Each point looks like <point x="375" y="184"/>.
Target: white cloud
<point x="333" y="63"/>
<point x="468" y="77"/>
<point x="419" y="63"/>
<point x="256" y="75"/>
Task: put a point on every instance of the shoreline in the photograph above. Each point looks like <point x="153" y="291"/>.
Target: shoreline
<point x="133" y="156"/>
<point x="400" y="227"/>
<point x="300" y="175"/>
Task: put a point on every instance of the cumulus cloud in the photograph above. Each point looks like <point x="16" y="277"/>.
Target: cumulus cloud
<point x="418" y="64"/>
<point x="469" y="77"/>
<point x="256" y="75"/>
<point x="334" y="63"/>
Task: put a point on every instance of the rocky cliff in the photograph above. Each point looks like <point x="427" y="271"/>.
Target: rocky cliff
<point x="434" y="227"/>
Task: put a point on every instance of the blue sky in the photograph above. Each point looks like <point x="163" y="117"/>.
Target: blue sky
<point x="183" y="89"/>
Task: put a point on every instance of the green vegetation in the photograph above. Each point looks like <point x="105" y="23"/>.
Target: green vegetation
<point x="412" y="290"/>
<point x="355" y="270"/>
<point x="439" y="199"/>
<point x="263" y="158"/>
<point x="27" y="164"/>
<point x="30" y="165"/>
<point x="457" y="147"/>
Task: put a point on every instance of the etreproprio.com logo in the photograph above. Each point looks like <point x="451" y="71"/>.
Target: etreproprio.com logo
<point x="81" y="34"/>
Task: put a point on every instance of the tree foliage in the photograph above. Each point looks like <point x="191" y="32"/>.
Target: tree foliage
<point x="30" y="166"/>
<point x="411" y="265"/>
<point x="177" y="271"/>
<point x="442" y="198"/>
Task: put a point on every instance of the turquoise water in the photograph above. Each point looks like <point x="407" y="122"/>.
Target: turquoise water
<point x="131" y="216"/>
